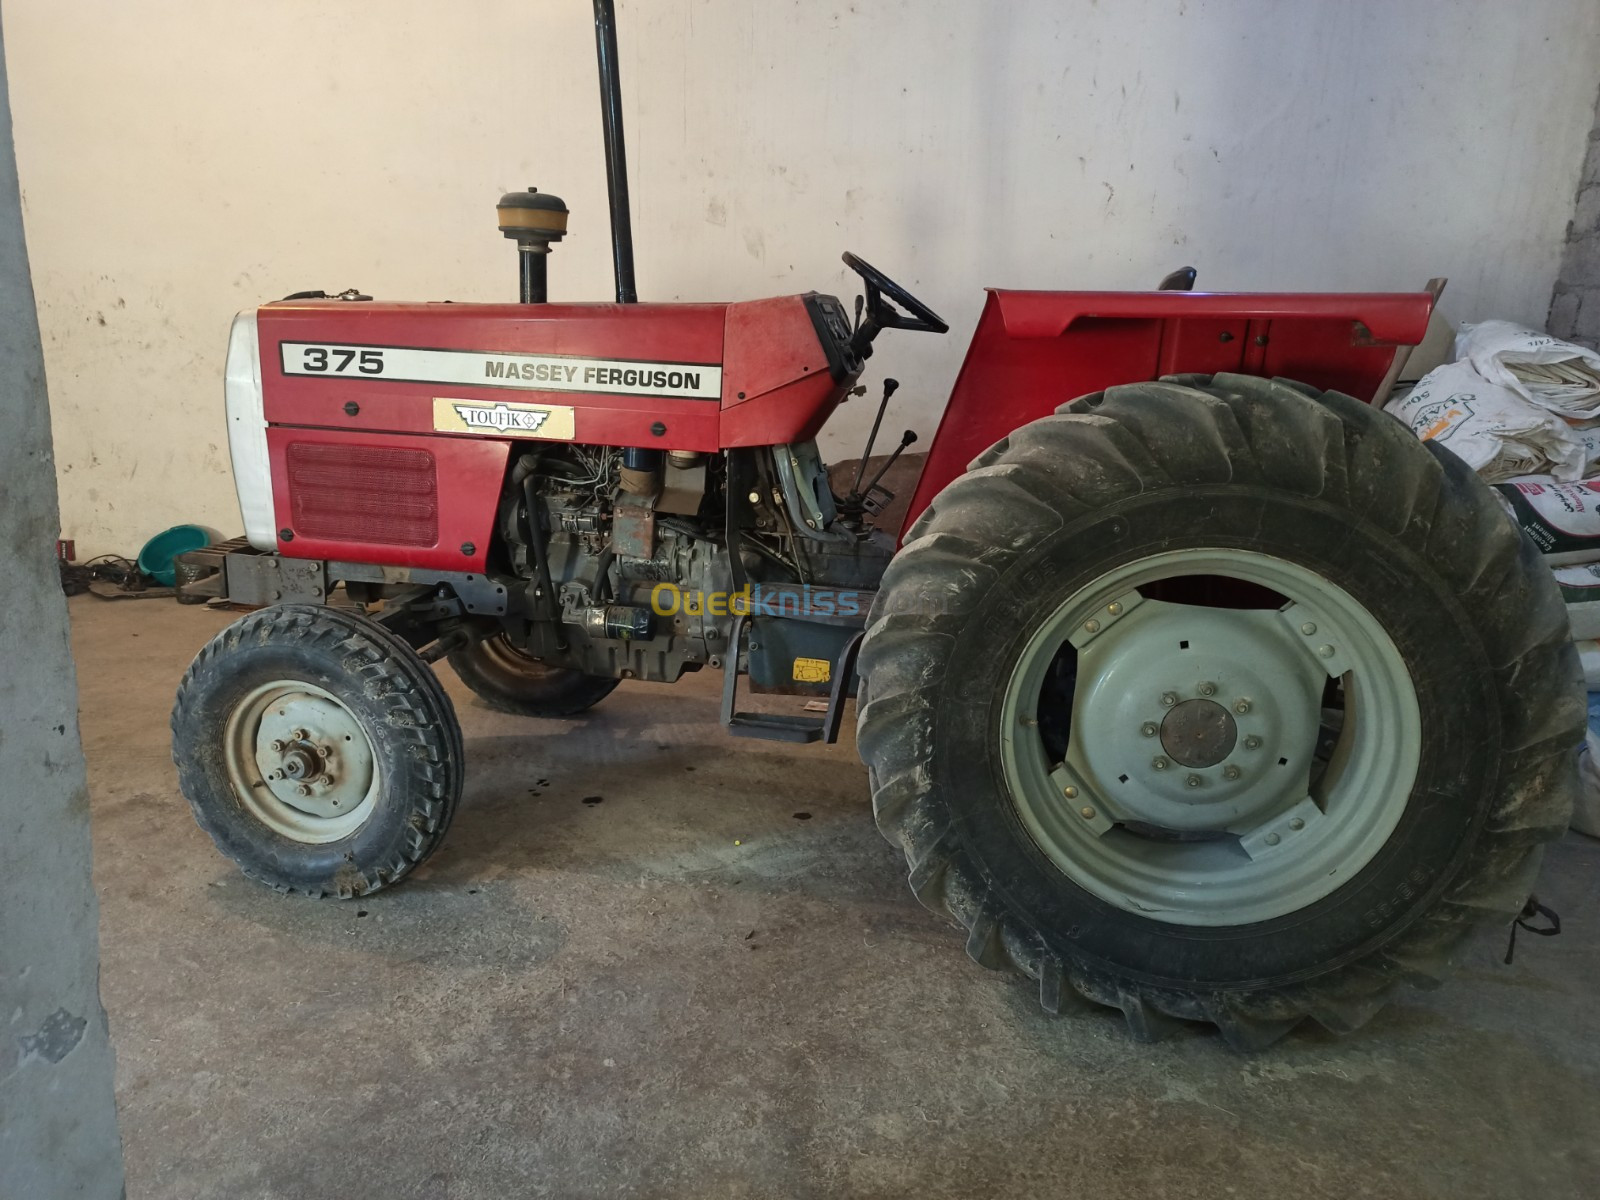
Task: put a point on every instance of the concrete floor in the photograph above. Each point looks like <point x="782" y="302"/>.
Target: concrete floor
<point x="688" y="990"/>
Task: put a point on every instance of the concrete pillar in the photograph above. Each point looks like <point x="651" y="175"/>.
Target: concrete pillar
<point x="1575" y="306"/>
<point x="58" y="1122"/>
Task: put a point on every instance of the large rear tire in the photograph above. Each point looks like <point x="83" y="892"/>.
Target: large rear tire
<point x="1217" y="699"/>
<point x="509" y="681"/>
<point x="318" y="750"/>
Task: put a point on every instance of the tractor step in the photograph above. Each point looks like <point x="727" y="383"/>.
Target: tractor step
<point x="783" y="727"/>
<point x="776" y="727"/>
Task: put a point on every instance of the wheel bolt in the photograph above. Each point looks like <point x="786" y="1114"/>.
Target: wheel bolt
<point x="1325" y="651"/>
<point x="1149" y="729"/>
<point x="1091" y="625"/>
<point x="1168" y="699"/>
<point x="275" y="775"/>
<point x="278" y="747"/>
<point x="1242" y="707"/>
<point x="1230" y="772"/>
<point x="324" y="751"/>
<point x="1088" y="812"/>
<point x="1252" y="742"/>
<point x="1159" y="763"/>
<point x="1207" y="689"/>
<point x="1308" y="629"/>
<point x="299" y="735"/>
<point x="1193" y="781"/>
<point x="302" y="789"/>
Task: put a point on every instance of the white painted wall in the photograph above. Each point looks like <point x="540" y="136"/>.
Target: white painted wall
<point x="181" y="159"/>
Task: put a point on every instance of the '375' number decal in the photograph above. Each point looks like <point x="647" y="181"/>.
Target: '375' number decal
<point x="334" y="360"/>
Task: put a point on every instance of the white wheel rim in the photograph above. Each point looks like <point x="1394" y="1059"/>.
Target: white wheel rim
<point x="1269" y="842"/>
<point x="300" y="762"/>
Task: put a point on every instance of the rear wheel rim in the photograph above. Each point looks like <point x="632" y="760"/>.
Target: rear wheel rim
<point x="300" y="762"/>
<point x="1191" y="790"/>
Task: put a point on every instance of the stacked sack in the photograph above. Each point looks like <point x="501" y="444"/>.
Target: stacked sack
<point x="1523" y="410"/>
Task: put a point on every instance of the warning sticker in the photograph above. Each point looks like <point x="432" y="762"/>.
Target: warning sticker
<point x="812" y="670"/>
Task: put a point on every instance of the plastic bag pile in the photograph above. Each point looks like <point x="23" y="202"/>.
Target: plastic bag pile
<point x="1523" y="410"/>
<point x="1516" y="402"/>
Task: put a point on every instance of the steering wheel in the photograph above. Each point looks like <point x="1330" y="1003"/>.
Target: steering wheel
<point x="880" y="315"/>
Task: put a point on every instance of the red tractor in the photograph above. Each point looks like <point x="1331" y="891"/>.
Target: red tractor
<point x="1191" y="683"/>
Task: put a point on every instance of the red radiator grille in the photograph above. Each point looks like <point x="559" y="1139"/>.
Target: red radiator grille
<point x="363" y="494"/>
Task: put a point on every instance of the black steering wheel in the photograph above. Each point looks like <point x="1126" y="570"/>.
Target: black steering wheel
<point x="917" y="318"/>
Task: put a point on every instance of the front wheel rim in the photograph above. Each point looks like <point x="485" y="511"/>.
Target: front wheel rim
<point x="300" y="762"/>
<point x="1186" y="792"/>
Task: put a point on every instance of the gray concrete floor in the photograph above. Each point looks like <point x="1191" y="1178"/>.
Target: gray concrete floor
<point x="687" y="990"/>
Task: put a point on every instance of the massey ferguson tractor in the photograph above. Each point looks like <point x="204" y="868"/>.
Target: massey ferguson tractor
<point x="1191" y="683"/>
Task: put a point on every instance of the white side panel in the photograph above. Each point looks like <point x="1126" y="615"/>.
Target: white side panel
<point x="247" y="433"/>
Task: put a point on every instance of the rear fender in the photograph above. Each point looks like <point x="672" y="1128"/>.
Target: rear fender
<point x="1034" y="351"/>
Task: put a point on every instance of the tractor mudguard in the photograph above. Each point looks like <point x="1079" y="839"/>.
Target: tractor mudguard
<point x="1034" y="351"/>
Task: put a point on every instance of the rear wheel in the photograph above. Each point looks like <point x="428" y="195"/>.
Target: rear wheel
<point x="1212" y="699"/>
<point x="318" y="750"/>
<point x="510" y="681"/>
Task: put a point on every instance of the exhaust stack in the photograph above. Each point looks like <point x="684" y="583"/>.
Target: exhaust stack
<point x="605" y="40"/>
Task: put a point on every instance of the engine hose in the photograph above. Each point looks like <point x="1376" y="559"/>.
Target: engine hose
<point x="602" y="575"/>
<point x="547" y="609"/>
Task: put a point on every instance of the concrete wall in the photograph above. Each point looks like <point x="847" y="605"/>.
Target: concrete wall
<point x="1575" y="304"/>
<point x="58" y="1125"/>
<point x="182" y="160"/>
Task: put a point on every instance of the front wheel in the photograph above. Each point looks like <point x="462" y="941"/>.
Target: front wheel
<point x="318" y="750"/>
<point x="1217" y="700"/>
<point x="510" y="681"/>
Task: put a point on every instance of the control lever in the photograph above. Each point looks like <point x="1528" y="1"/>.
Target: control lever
<point x="906" y="439"/>
<point x="890" y="387"/>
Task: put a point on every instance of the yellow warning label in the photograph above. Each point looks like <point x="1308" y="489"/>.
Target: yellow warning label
<point x="812" y="670"/>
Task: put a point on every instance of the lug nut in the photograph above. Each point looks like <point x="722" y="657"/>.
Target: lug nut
<point x="278" y="746"/>
<point x="1149" y="729"/>
<point x="1252" y="742"/>
<point x="275" y="775"/>
<point x="1168" y="699"/>
<point x="1087" y="812"/>
<point x="1207" y="689"/>
<point x="302" y="789"/>
<point x="1092" y="625"/>
<point x="324" y="751"/>
<point x="299" y="735"/>
<point x="1193" y="781"/>
<point x="1069" y="792"/>
<point x="1230" y="772"/>
<point x="1242" y="707"/>
<point x="1308" y="629"/>
<point x="1159" y="763"/>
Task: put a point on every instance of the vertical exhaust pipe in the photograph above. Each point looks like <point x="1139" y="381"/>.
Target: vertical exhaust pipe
<point x="605" y="40"/>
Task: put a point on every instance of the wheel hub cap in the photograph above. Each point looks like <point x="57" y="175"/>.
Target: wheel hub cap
<point x="1199" y="733"/>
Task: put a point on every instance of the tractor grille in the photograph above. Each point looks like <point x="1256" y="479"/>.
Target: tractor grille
<point x="363" y="494"/>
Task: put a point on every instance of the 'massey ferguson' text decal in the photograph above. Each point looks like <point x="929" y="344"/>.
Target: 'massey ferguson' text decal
<point x="534" y="372"/>
<point x="497" y="418"/>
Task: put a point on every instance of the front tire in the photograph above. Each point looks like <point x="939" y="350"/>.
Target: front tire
<point x="318" y="750"/>
<point x="509" y="681"/>
<point x="1015" y="724"/>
